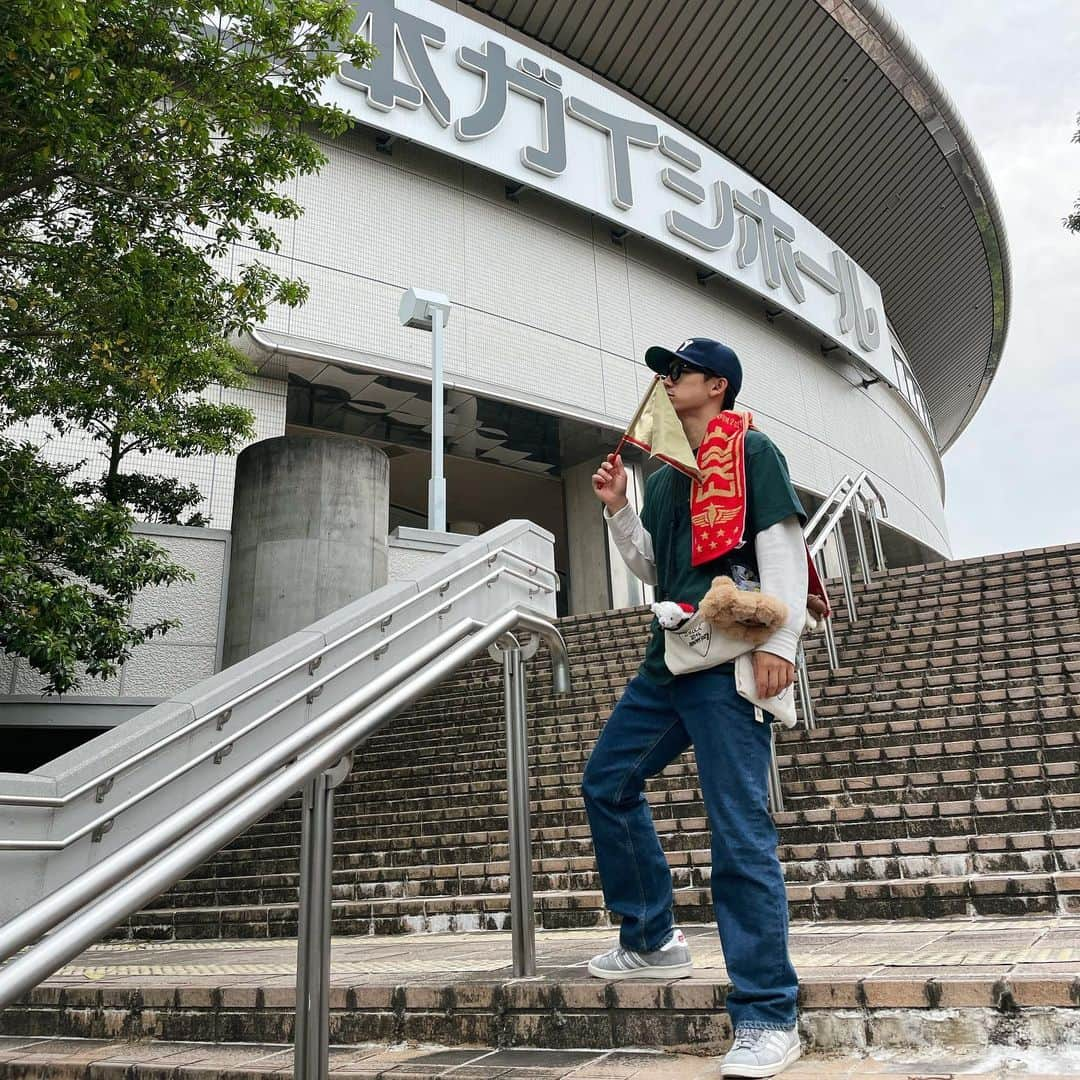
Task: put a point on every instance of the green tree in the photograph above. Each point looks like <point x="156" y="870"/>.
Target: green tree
<point x="141" y="145"/>
<point x="68" y="571"/>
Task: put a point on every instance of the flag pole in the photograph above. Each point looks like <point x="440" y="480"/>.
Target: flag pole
<point x="636" y="416"/>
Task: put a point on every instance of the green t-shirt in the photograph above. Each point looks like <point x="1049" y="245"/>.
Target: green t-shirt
<point x="666" y="515"/>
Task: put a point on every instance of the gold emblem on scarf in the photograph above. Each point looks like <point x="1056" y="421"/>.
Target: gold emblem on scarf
<point x="714" y="515"/>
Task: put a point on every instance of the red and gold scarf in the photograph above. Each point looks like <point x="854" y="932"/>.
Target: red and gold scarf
<point x="718" y="495"/>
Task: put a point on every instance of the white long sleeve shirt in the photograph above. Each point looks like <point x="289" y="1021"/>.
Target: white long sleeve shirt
<point x="781" y="559"/>
<point x="633" y="542"/>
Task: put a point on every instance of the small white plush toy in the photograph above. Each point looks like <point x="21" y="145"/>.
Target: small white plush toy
<point x="670" y="614"/>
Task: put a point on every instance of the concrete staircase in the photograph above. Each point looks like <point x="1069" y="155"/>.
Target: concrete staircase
<point x="931" y="842"/>
<point x="943" y="779"/>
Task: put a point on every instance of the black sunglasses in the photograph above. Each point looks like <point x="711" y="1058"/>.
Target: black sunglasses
<point x="677" y="368"/>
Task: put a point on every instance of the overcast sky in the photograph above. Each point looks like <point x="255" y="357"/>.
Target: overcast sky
<point x="1013" y="69"/>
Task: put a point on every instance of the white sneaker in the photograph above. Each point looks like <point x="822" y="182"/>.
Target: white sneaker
<point x="670" y="961"/>
<point x="761" y="1052"/>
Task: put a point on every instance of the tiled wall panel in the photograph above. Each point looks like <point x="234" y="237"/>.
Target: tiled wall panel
<point x="525" y="271"/>
<point x="164" y="665"/>
<point x="546" y="367"/>
<point x="613" y="299"/>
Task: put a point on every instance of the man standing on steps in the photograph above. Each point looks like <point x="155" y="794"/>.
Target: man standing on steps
<point x="660" y="715"/>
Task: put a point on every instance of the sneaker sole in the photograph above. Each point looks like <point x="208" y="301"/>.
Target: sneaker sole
<point x="790" y="1058"/>
<point x="675" y="971"/>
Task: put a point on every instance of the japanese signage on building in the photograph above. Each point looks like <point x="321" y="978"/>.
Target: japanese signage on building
<point x="447" y="81"/>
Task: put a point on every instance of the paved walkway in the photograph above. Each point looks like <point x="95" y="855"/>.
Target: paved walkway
<point x="851" y="973"/>
<point x="1020" y="949"/>
<point x="76" y="1059"/>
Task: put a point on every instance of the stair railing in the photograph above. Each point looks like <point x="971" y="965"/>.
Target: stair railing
<point x="845" y="500"/>
<point x="102" y="783"/>
<point x="314" y="757"/>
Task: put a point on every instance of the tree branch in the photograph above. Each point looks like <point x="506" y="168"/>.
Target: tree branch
<point x="12" y="191"/>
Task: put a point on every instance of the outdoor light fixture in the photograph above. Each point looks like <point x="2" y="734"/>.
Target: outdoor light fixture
<point x="423" y="309"/>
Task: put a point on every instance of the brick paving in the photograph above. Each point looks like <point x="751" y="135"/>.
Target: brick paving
<point x="101" y="1059"/>
<point x="972" y="982"/>
<point x="984" y="950"/>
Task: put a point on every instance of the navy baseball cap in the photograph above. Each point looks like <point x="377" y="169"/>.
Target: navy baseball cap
<point x="703" y="353"/>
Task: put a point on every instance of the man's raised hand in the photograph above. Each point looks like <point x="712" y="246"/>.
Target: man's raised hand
<point x="609" y="483"/>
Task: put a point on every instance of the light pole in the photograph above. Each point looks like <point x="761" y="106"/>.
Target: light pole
<point x="423" y="309"/>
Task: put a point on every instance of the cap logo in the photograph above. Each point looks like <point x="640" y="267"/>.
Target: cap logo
<point x="687" y="342"/>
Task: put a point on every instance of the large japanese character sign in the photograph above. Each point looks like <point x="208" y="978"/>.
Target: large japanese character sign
<point x="447" y="81"/>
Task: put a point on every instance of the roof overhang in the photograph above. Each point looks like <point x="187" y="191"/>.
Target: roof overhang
<point x="829" y="105"/>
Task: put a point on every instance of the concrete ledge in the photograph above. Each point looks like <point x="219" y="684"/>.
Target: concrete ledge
<point x="426" y="539"/>
<point x="32" y="711"/>
<point x="98" y="756"/>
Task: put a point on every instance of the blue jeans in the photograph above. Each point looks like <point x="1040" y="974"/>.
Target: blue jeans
<point x="651" y="726"/>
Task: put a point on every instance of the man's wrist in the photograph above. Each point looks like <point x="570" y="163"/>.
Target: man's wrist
<point x="772" y="655"/>
<point x="778" y="648"/>
<point x="614" y="507"/>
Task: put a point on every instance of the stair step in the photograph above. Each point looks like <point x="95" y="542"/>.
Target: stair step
<point x="1004" y="894"/>
<point x="689" y="868"/>
<point x="887" y="981"/>
<point x="1061" y="848"/>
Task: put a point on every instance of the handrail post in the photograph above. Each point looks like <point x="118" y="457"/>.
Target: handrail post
<point x="776" y="795"/>
<point x="522" y="921"/>
<point x="860" y="543"/>
<point x="845" y="570"/>
<point x="311" y="1053"/>
<point x="875" y="534"/>
<point x="830" y="633"/>
<point x="802" y="675"/>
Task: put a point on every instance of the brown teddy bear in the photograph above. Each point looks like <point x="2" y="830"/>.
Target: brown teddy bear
<point x="740" y="613"/>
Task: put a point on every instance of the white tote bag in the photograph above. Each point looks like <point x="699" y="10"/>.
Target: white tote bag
<point x="697" y="645"/>
<point x="781" y="707"/>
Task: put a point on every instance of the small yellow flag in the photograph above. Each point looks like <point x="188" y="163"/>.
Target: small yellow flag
<point x="657" y="430"/>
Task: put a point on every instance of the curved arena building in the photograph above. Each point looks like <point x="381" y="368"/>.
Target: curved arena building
<point x="585" y="180"/>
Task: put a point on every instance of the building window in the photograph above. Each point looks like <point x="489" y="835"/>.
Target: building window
<point x="908" y="386"/>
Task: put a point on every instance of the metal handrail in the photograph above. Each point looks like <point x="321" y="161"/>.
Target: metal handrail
<point x="828" y="501"/>
<point x="106" y="872"/>
<point x="383" y="621"/>
<point x="836" y="517"/>
<point x="840" y="501"/>
<point x="107" y="816"/>
<point x="122" y="882"/>
<point x="864" y="479"/>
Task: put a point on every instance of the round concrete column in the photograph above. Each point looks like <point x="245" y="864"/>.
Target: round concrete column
<point x="310" y="517"/>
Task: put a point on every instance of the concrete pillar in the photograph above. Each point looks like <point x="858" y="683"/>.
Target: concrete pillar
<point x="586" y="541"/>
<point x="310" y="517"/>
